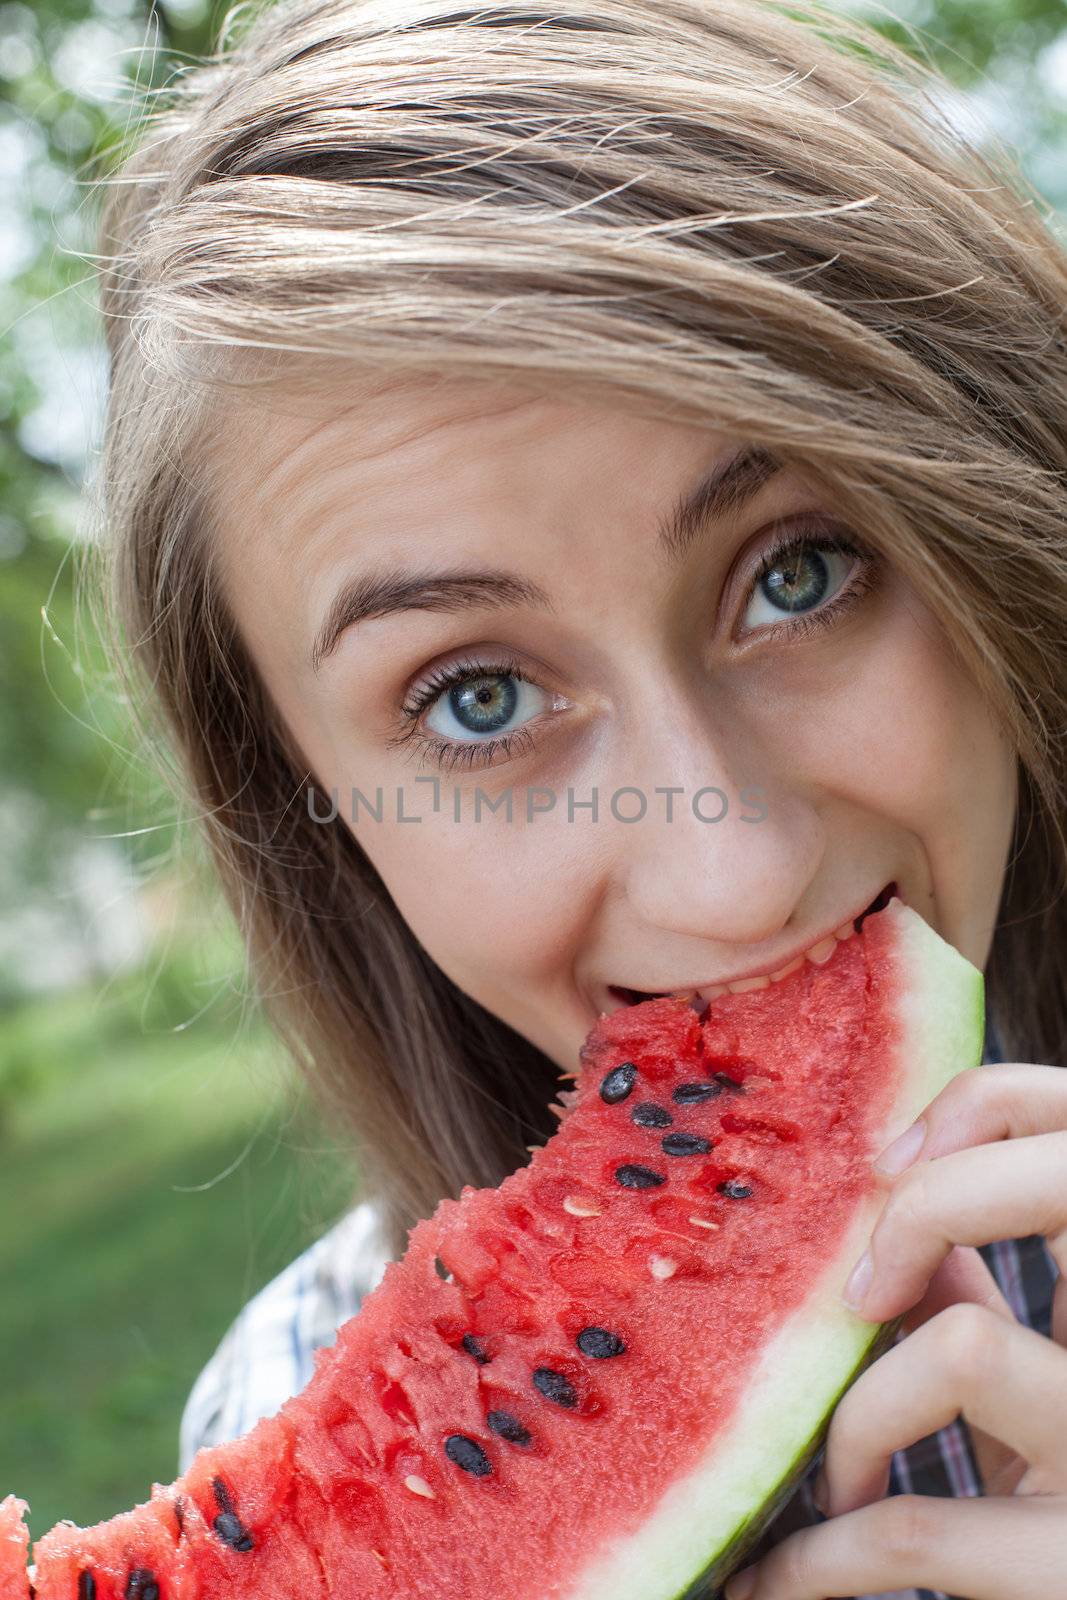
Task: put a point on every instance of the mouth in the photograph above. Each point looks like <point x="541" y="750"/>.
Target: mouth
<point x="818" y="954"/>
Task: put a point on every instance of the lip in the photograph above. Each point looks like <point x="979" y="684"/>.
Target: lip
<point x="618" y="992"/>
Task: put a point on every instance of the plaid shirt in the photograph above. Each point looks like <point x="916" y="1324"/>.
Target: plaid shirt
<point x="266" y="1356"/>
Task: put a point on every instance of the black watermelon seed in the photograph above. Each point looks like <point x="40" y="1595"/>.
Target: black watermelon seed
<point x="86" y="1585"/>
<point x="141" y="1585"/>
<point x="440" y="1268"/>
<point x="685" y="1144"/>
<point x="632" y="1176"/>
<point x="734" y="1189"/>
<point x="618" y="1083"/>
<point x="475" y="1348"/>
<point x="554" y="1386"/>
<point x="600" y="1343"/>
<point x="650" y="1115"/>
<point x="727" y="1082"/>
<point x="691" y="1094"/>
<point x="222" y="1495"/>
<point x="507" y="1424"/>
<point x="232" y="1531"/>
<point x="468" y="1455"/>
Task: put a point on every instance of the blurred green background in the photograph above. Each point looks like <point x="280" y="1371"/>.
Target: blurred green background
<point x="157" y="1165"/>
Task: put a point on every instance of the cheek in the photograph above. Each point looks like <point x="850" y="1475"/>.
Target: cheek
<point x="488" y="900"/>
<point x="900" y="738"/>
<point x="889" y="720"/>
<point x="493" y="903"/>
<point x="936" y="759"/>
<point x="950" y="774"/>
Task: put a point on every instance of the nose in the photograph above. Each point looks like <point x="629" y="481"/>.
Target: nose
<point x="733" y="881"/>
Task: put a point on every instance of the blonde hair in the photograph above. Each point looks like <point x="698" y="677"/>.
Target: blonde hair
<point x="747" y="216"/>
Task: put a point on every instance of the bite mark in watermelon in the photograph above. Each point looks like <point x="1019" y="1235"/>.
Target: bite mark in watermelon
<point x="600" y="1380"/>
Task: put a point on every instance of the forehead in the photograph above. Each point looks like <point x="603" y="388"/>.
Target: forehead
<point x="377" y="432"/>
<point x="303" y="479"/>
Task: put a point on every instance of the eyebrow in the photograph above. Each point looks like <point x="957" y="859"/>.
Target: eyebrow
<point x="722" y="491"/>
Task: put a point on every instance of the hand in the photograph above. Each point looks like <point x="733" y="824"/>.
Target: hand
<point x="992" y="1165"/>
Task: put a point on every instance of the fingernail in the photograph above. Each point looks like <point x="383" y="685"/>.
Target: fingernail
<point x="859" y="1281"/>
<point x="819" y="1493"/>
<point x="902" y="1152"/>
<point x="742" y="1584"/>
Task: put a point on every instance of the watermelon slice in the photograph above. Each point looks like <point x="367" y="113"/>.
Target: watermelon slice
<point x="599" y="1381"/>
<point x="14" y="1548"/>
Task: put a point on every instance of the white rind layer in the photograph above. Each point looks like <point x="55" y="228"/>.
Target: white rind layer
<point x="804" y="1369"/>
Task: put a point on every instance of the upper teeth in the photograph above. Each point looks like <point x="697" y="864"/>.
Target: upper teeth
<point x="818" y="954"/>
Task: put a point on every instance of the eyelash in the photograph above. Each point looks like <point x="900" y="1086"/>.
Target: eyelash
<point x="858" y="584"/>
<point x="447" y="753"/>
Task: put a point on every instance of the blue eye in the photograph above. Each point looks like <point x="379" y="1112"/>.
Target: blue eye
<point x="479" y="713"/>
<point x="486" y="703"/>
<point x="800" y="577"/>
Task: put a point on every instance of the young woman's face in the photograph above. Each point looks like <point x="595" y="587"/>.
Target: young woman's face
<point x="771" y="740"/>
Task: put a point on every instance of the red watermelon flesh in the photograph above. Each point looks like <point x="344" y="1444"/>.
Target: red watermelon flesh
<point x="14" y="1548"/>
<point x="598" y="1381"/>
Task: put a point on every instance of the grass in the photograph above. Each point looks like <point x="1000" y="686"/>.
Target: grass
<point x="150" y="1182"/>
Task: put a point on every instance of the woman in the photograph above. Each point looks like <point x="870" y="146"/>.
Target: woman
<point x="561" y="406"/>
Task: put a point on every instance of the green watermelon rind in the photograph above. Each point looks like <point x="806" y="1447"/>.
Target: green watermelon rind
<point x="823" y="1347"/>
<point x="708" y="1585"/>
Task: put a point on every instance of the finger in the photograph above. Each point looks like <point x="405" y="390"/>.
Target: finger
<point x="962" y="1276"/>
<point x="984" y="1104"/>
<point x="988" y="1192"/>
<point x="1059" y="1308"/>
<point x="1004" y="1378"/>
<point x="986" y="1549"/>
